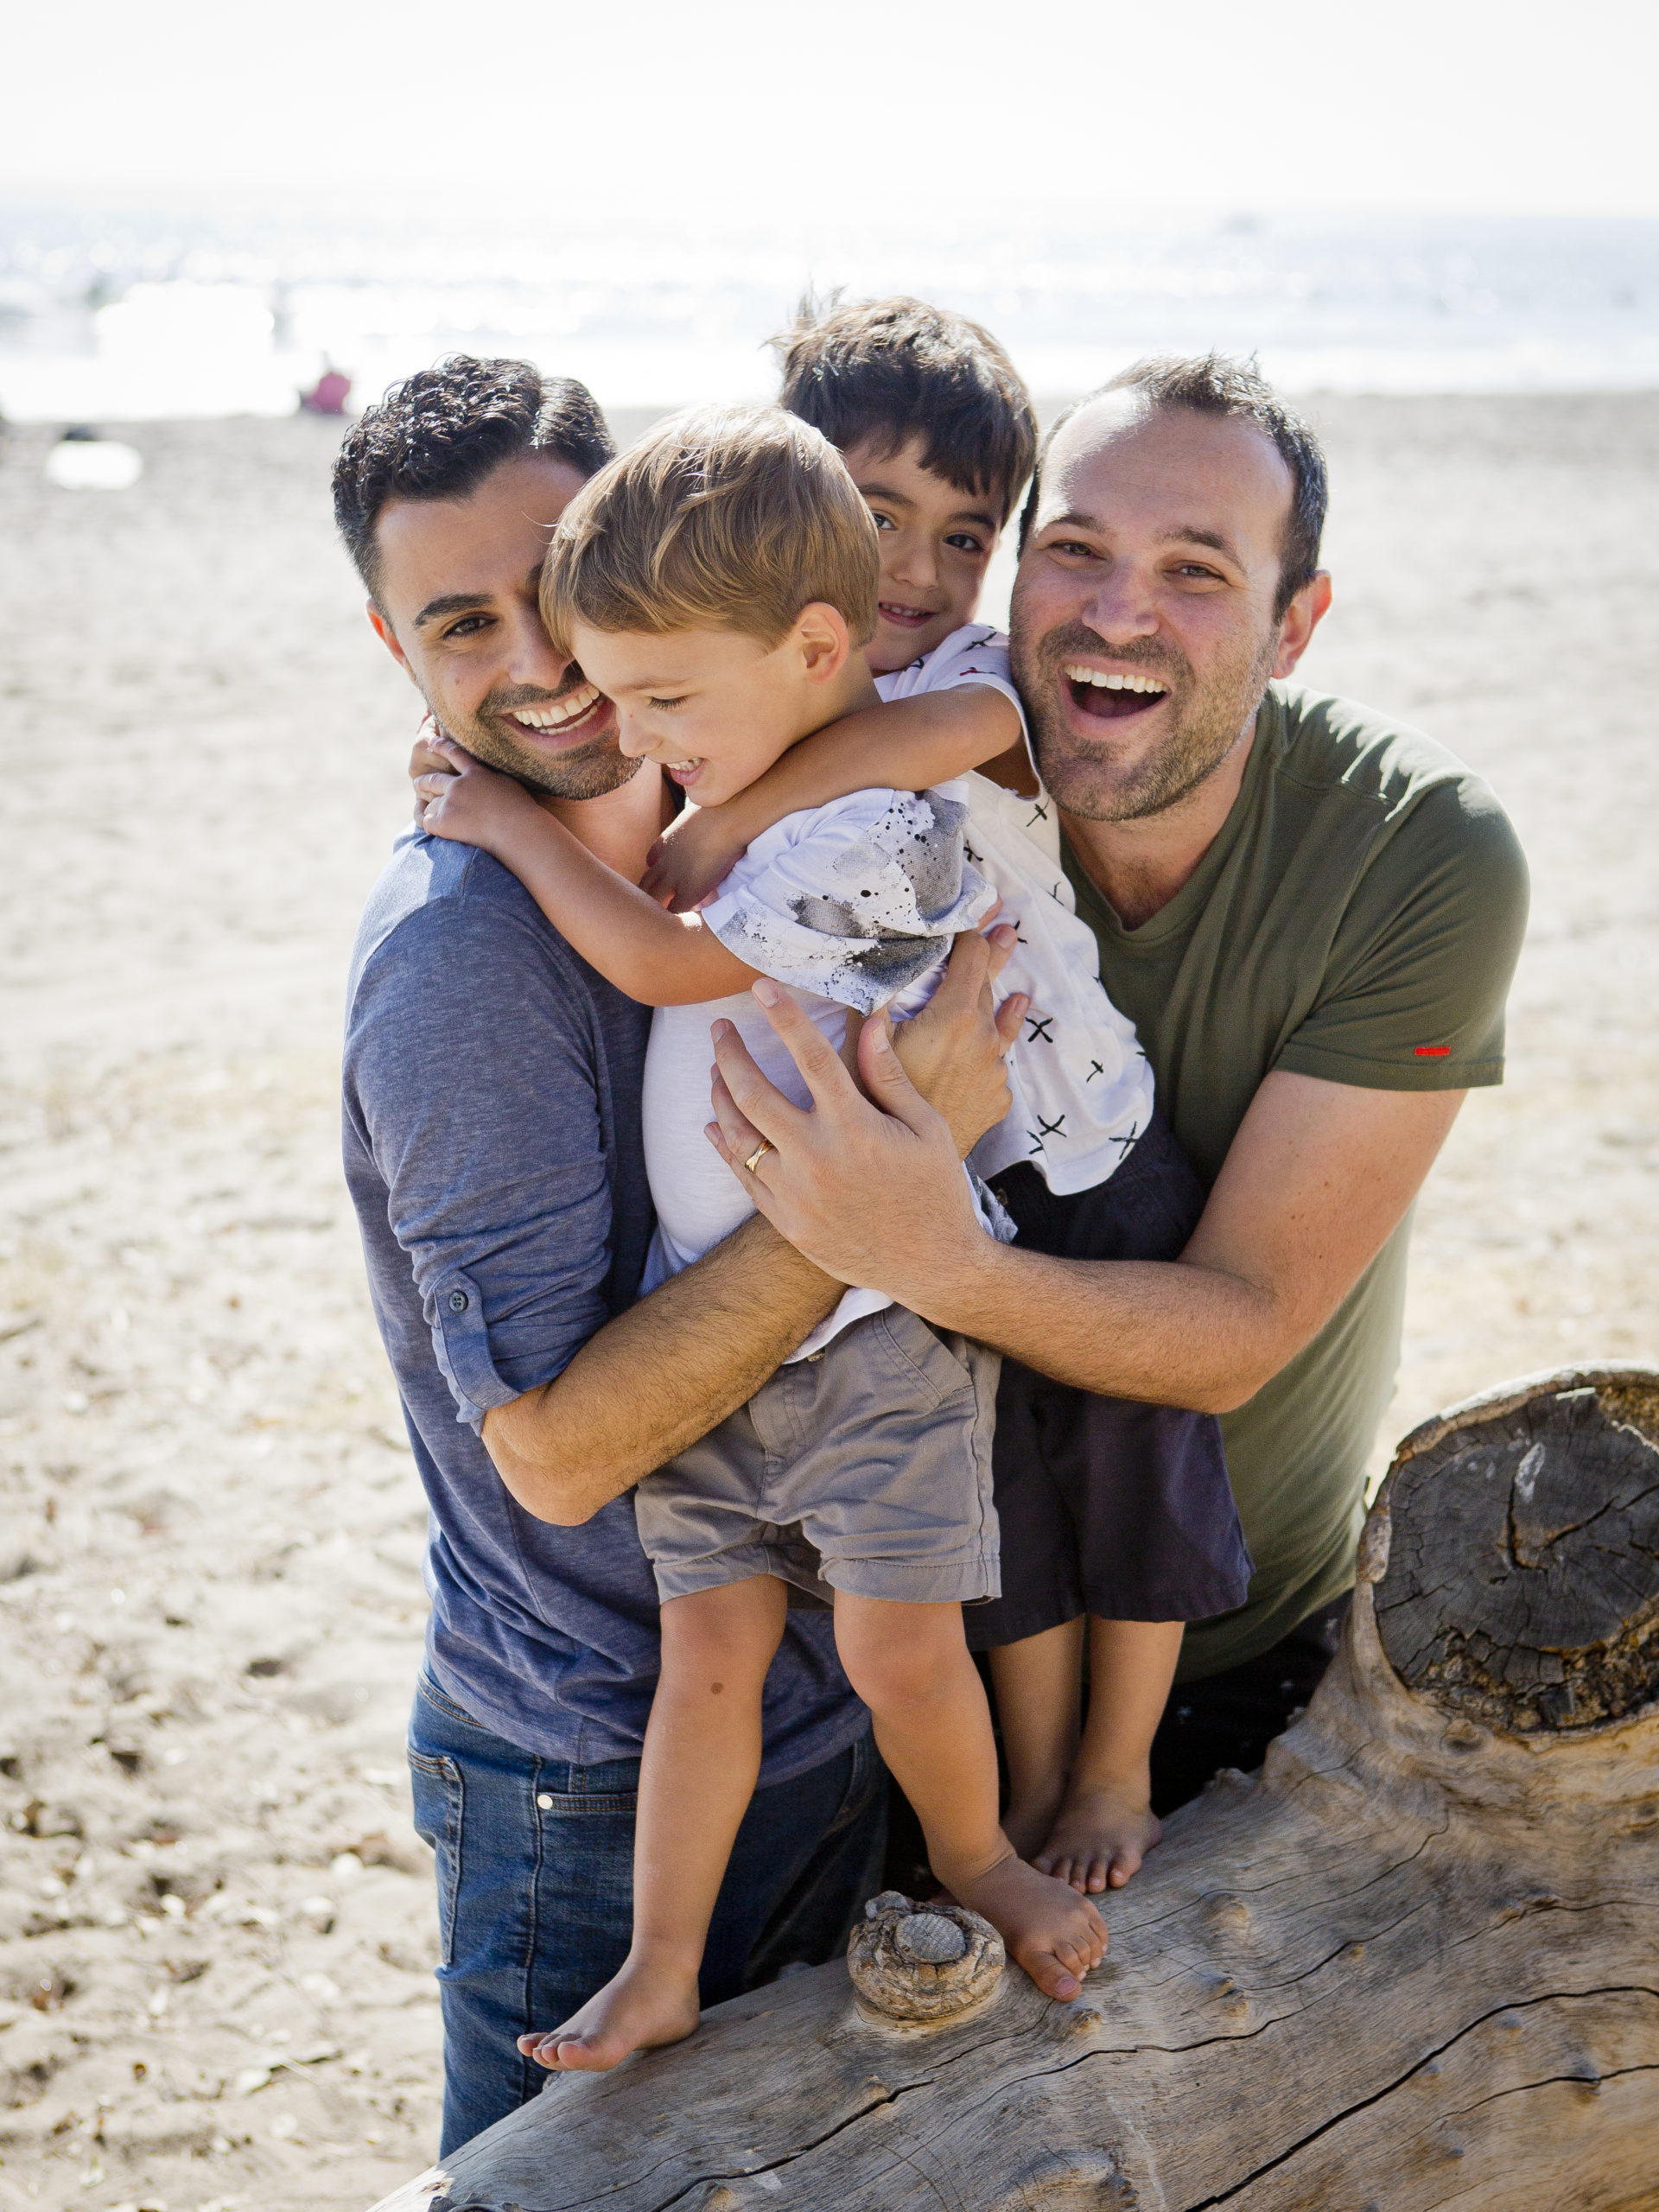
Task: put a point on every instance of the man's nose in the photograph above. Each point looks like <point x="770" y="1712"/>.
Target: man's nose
<point x="532" y="657"/>
<point x="1121" y="603"/>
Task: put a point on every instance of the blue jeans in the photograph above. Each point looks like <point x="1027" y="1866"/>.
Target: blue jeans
<point x="535" y="1868"/>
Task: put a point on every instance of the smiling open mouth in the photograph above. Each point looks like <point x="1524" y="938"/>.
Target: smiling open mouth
<point x="560" y="717"/>
<point x="907" y="618"/>
<point x="1111" y="697"/>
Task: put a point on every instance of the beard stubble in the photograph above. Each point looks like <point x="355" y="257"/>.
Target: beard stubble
<point x="587" y="771"/>
<point x="1208" y="718"/>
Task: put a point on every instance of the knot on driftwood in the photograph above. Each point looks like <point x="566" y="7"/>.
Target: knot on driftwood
<point x="922" y="1962"/>
<point x="1520" y="1587"/>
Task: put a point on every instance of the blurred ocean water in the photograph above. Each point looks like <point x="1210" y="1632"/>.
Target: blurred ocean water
<point x="121" y="312"/>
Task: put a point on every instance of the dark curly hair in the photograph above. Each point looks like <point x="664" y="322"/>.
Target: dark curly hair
<point x="441" y="432"/>
<point x="897" y="368"/>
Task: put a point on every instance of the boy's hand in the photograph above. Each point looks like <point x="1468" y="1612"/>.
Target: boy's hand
<point x="692" y="859"/>
<point x="424" y="760"/>
<point x="459" y="797"/>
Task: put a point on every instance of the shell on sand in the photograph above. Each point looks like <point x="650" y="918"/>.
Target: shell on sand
<point x="930" y="1937"/>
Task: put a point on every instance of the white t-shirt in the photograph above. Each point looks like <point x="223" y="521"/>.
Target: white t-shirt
<point x="853" y="905"/>
<point x="1082" y="1086"/>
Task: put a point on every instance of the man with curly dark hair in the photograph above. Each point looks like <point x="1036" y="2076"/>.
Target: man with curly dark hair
<point x="498" y="449"/>
<point x="492" y="1148"/>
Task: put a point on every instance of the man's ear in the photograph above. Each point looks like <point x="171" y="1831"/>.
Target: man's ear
<point x="821" y="637"/>
<point x="1302" y="618"/>
<point x="388" y="636"/>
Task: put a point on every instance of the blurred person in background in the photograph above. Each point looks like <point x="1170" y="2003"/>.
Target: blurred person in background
<point x="329" y="393"/>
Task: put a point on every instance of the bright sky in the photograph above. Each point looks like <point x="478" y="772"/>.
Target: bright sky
<point x="917" y="117"/>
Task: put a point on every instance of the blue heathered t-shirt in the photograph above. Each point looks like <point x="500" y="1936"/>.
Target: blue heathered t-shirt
<point x="494" y="1154"/>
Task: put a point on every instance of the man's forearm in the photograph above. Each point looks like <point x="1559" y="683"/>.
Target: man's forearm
<point x="1317" y="1179"/>
<point x="659" y="1376"/>
<point x="1167" y="1332"/>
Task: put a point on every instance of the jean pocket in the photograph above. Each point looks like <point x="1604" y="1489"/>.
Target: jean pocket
<point x="866" y="1774"/>
<point x="439" y="1796"/>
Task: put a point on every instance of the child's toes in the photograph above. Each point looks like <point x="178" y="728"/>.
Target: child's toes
<point x="1052" y="1976"/>
<point x="583" y="2054"/>
<point x="1065" y="1868"/>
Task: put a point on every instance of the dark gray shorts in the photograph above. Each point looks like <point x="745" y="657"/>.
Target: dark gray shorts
<point x="865" y="1468"/>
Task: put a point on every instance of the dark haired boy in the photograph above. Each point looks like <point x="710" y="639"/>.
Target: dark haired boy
<point x="1118" y="1525"/>
<point x="937" y="431"/>
<point x="493" y="1154"/>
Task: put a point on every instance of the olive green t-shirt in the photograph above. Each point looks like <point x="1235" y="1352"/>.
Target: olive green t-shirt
<point x="1357" y="918"/>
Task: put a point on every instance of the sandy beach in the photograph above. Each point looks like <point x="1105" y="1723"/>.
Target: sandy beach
<point x="216" y="1924"/>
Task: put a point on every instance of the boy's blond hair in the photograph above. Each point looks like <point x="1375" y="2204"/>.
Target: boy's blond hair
<point x="730" y="517"/>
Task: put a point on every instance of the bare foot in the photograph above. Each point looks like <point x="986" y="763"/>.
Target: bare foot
<point x="646" y="2004"/>
<point x="1055" y="1934"/>
<point x="1101" y="1835"/>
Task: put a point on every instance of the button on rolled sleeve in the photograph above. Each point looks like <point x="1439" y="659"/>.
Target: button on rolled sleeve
<point x="461" y="1341"/>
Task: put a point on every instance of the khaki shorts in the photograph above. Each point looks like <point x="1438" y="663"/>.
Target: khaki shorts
<point x="865" y="1468"/>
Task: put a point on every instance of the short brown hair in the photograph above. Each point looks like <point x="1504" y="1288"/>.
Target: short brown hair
<point x="1210" y="384"/>
<point x="896" y="369"/>
<point x="730" y="518"/>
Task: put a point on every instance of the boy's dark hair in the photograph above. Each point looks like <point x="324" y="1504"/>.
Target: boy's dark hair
<point x="896" y="369"/>
<point x="1210" y="384"/>
<point x="440" y="433"/>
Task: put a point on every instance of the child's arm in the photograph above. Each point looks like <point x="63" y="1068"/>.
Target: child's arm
<point x="658" y="959"/>
<point x="904" y="743"/>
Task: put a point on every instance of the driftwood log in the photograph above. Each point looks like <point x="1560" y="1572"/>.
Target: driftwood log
<point x="1413" y="1963"/>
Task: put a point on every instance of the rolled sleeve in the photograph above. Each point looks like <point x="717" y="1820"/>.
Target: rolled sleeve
<point x="461" y="1339"/>
<point x="494" y="1161"/>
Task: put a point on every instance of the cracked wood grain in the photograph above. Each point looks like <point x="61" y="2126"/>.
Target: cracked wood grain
<point x="1411" y="1966"/>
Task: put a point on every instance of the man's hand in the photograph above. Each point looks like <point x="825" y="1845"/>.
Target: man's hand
<point x="459" y="797"/>
<point x="937" y="1085"/>
<point x="1318" y="1178"/>
<point x="848" y="1164"/>
<point x="956" y="1049"/>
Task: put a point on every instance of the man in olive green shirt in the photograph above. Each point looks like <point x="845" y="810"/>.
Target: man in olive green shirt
<point x="1311" y="913"/>
<point x="1354" y="921"/>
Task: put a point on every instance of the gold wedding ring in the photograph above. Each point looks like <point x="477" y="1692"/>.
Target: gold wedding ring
<point x="759" y="1152"/>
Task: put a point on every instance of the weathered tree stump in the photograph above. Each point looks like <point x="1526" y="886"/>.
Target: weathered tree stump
<point x="1414" y="1963"/>
<point x="922" y="1962"/>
